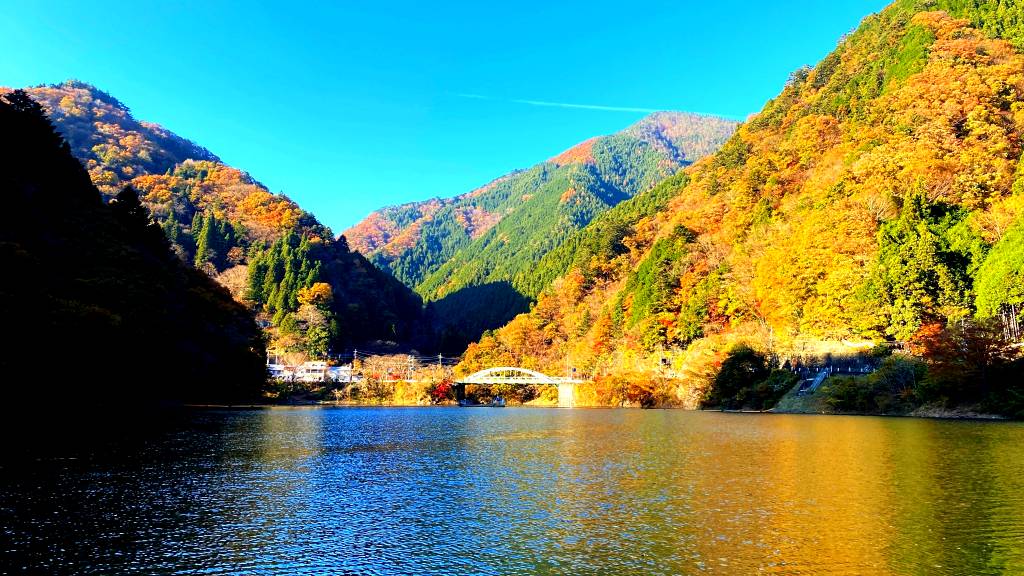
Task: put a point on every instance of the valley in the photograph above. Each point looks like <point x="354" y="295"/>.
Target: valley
<point x="544" y="288"/>
<point x="872" y="209"/>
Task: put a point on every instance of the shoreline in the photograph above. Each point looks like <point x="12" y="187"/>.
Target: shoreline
<point x="921" y="413"/>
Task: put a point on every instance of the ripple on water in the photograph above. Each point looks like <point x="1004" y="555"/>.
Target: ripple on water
<point x="445" y="491"/>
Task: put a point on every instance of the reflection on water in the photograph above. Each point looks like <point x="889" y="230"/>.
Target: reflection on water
<point x="521" y="491"/>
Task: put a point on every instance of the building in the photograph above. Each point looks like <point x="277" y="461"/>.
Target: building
<point x="342" y="374"/>
<point x="311" y="371"/>
<point x="280" y="372"/>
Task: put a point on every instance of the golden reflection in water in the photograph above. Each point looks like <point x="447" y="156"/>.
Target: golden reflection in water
<point x="951" y="497"/>
<point x="823" y="479"/>
<point x="788" y="494"/>
<point x="859" y="495"/>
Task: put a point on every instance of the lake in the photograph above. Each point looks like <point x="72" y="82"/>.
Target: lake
<point x="521" y="491"/>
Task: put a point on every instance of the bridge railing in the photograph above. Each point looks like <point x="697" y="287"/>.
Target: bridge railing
<point x="513" y="375"/>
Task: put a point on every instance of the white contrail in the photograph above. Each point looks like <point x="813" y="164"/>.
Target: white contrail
<point x="586" y="106"/>
<point x="563" y="104"/>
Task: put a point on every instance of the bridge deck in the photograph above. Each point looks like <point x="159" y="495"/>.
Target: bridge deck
<point x="551" y="381"/>
<point x="512" y="375"/>
<point x="521" y="376"/>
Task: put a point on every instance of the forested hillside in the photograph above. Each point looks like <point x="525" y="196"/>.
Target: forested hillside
<point x="879" y="197"/>
<point x="260" y="245"/>
<point x="475" y="256"/>
<point x="97" y="308"/>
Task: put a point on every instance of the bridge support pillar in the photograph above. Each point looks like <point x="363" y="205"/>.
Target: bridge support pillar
<point x="566" y="395"/>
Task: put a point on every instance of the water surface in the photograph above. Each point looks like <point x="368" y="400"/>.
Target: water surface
<point x="523" y="491"/>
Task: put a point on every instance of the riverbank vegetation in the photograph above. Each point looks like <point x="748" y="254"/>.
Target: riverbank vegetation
<point x="381" y="380"/>
<point x="971" y="369"/>
<point x="746" y="381"/>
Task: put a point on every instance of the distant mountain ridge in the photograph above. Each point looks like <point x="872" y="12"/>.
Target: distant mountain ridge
<point x="391" y="236"/>
<point x="492" y="238"/>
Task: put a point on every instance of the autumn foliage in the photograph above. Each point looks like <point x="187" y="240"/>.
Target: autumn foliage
<point x="859" y="205"/>
<point x="226" y="224"/>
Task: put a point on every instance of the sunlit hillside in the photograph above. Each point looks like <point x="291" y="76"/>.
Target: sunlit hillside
<point x="879" y="197"/>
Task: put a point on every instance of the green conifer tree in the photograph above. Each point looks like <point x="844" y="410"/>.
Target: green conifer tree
<point x="207" y="241"/>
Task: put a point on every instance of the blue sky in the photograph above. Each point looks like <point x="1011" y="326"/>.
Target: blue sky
<point x="350" y="106"/>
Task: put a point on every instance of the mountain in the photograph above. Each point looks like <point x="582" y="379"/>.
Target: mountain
<point x="113" y="146"/>
<point x="175" y="177"/>
<point x="480" y="249"/>
<point x="96" y="307"/>
<point x="222" y="220"/>
<point x="879" y="197"/>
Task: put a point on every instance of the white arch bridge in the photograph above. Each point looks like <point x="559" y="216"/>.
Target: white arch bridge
<point x="521" y="376"/>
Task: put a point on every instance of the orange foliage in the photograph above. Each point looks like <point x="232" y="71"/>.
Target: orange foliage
<point x="167" y="170"/>
<point x="378" y="233"/>
<point x="227" y="191"/>
<point x="582" y="153"/>
<point x="319" y="294"/>
<point x="371" y="233"/>
<point x="477" y="221"/>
